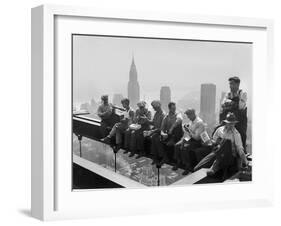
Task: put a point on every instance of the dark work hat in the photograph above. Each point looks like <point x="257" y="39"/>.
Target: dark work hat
<point x="156" y="103"/>
<point x="234" y="79"/>
<point x="104" y="97"/>
<point x="190" y="111"/>
<point x="141" y="104"/>
<point x="230" y="118"/>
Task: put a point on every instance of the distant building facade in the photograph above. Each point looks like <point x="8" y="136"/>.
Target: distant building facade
<point x="208" y="104"/>
<point x="93" y="105"/>
<point x="85" y="106"/>
<point x="117" y="97"/>
<point x="133" y="85"/>
<point x="165" y="97"/>
<point x="190" y="100"/>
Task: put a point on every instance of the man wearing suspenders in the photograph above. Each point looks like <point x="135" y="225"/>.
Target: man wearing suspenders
<point x="119" y="128"/>
<point x="235" y="102"/>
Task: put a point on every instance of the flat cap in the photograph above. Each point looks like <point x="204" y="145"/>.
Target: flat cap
<point x="141" y="104"/>
<point x="104" y="97"/>
<point x="234" y="79"/>
<point x="156" y="103"/>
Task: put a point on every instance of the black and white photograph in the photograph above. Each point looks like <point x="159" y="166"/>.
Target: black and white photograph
<point x="149" y="112"/>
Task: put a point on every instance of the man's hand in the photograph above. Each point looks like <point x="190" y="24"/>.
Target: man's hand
<point x="228" y="104"/>
<point x="164" y="135"/>
<point x="147" y="133"/>
<point x="245" y="163"/>
<point x="170" y="131"/>
<point x="186" y="128"/>
<point x="143" y="117"/>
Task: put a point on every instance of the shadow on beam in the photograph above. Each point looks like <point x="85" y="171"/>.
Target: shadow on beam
<point x="86" y="179"/>
<point x="89" y="175"/>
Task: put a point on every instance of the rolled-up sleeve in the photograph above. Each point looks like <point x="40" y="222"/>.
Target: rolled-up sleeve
<point x="243" y="100"/>
<point x="164" y="124"/>
<point x="238" y="144"/>
<point x="217" y="134"/>
<point x="225" y="98"/>
<point x="179" y="118"/>
<point x="200" y="129"/>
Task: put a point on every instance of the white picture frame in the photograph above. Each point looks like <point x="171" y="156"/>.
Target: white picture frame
<point x="52" y="197"/>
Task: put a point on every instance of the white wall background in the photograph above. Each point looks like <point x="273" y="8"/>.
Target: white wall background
<point x="15" y="111"/>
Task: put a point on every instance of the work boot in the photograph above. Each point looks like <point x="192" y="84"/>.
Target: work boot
<point x="185" y="172"/>
<point x="126" y="151"/>
<point x="132" y="154"/>
<point x="175" y="167"/>
<point x="164" y="160"/>
<point x="210" y="172"/>
<point x="106" y="140"/>
<point x="118" y="146"/>
<point x="138" y="156"/>
<point x="141" y="154"/>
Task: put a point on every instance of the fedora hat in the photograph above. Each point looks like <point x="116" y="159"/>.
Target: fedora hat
<point x="230" y="118"/>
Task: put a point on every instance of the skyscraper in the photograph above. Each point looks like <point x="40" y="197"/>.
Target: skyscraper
<point x="165" y="97"/>
<point x="133" y="85"/>
<point x="208" y="103"/>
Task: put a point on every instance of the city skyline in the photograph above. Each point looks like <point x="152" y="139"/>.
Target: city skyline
<point x="117" y="97"/>
<point x="208" y="109"/>
<point x="101" y="65"/>
<point x="207" y="104"/>
<point x="193" y="74"/>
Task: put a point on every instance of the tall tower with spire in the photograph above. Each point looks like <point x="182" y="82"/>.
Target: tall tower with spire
<point x="133" y="85"/>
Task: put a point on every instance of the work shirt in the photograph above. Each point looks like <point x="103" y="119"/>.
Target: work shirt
<point x="142" y="117"/>
<point x="235" y="138"/>
<point x="170" y="120"/>
<point x="128" y="116"/>
<point x="105" y="111"/>
<point x="242" y="98"/>
<point x="157" y="119"/>
<point x="196" y="128"/>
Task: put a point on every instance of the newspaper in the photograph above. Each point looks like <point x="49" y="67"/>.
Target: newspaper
<point x="205" y="137"/>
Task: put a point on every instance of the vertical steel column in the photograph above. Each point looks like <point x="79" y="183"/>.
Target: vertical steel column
<point x="158" y="174"/>
<point x="115" y="161"/>
<point x="115" y="153"/>
<point x="80" y="146"/>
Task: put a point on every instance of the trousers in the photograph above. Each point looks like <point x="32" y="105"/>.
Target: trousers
<point x="184" y="152"/>
<point x="118" y="130"/>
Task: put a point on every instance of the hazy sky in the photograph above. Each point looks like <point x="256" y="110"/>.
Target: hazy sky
<point x="101" y="66"/>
